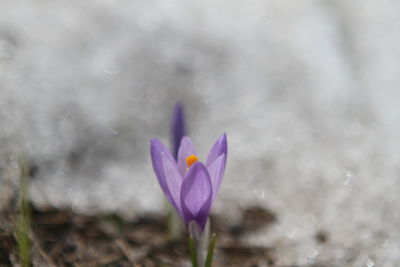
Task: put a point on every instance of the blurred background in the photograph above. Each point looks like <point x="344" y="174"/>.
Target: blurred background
<point x="307" y="92"/>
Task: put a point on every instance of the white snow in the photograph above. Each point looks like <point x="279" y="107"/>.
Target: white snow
<point x="307" y="91"/>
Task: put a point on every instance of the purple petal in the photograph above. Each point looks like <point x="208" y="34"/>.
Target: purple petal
<point x="173" y="181"/>
<point x="161" y="157"/>
<point x="196" y="195"/>
<point x="157" y="149"/>
<point x="216" y="171"/>
<point x="185" y="150"/>
<point x="178" y="127"/>
<point x="220" y="147"/>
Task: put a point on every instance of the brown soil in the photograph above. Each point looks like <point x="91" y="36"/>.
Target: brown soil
<point x="64" y="238"/>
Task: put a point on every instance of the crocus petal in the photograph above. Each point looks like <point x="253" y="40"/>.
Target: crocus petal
<point x="216" y="171"/>
<point x="185" y="149"/>
<point x="161" y="159"/>
<point x="220" y="147"/>
<point x="173" y="181"/>
<point x="196" y="195"/>
<point x="178" y="129"/>
<point x="157" y="150"/>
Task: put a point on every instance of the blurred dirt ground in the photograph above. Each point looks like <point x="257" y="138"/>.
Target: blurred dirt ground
<point x="65" y="238"/>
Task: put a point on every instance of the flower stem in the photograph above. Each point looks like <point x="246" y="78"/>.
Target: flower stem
<point x="210" y="253"/>
<point x="23" y="224"/>
<point x="192" y="251"/>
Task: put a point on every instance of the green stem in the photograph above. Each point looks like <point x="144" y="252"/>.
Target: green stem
<point x="23" y="224"/>
<point x="192" y="252"/>
<point x="210" y="253"/>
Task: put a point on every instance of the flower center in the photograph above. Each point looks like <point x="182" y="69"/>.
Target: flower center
<point x="191" y="159"/>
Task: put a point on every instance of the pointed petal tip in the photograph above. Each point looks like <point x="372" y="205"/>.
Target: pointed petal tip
<point x="157" y="147"/>
<point x="178" y="112"/>
<point x="187" y="139"/>
<point x="154" y="141"/>
<point x="220" y="147"/>
<point x="155" y="144"/>
<point x="178" y="127"/>
<point x="223" y="138"/>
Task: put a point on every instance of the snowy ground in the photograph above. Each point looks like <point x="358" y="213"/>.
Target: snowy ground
<point x="307" y="92"/>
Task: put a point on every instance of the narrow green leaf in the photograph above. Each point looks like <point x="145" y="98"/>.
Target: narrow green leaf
<point x="210" y="253"/>
<point x="23" y="224"/>
<point x="192" y="252"/>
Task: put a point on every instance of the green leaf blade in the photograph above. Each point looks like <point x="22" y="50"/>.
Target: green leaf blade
<point x="210" y="253"/>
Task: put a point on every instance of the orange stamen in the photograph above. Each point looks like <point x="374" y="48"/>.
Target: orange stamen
<point x="191" y="159"/>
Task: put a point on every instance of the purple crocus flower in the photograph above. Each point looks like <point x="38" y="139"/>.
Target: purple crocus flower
<point x="190" y="185"/>
<point x="178" y="129"/>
